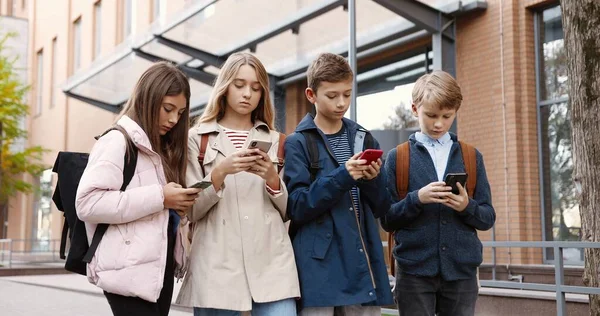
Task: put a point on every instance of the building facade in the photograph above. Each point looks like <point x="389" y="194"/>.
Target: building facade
<point x="508" y="57"/>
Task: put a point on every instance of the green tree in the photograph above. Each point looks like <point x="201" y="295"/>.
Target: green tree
<point x="14" y="162"/>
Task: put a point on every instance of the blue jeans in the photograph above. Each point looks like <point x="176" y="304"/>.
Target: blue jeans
<point x="285" y="307"/>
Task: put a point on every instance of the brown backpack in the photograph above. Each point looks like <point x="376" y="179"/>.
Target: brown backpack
<point x="402" y="167"/>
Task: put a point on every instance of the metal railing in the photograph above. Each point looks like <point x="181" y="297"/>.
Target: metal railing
<point x="559" y="287"/>
<point x="28" y="251"/>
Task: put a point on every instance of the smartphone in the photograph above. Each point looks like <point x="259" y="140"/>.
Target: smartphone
<point x="264" y="146"/>
<point x="201" y="185"/>
<point x="371" y="155"/>
<point x="453" y="178"/>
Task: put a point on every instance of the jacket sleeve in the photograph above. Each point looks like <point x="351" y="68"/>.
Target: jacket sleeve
<point x="401" y="212"/>
<point x="373" y="191"/>
<point x="99" y="199"/>
<point x="307" y="200"/>
<point x="480" y="213"/>
<point x="208" y="197"/>
<point x="280" y="199"/>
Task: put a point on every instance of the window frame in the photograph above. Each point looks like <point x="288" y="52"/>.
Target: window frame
<point x="54" y="49"/>
<point x="541" y="103"/>
<point x="76" y="45"/>
<point x="97" y="49"/>
<point x="39" y="82"/>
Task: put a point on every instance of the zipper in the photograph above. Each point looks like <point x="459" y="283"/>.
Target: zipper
<point x="363" y="242"/>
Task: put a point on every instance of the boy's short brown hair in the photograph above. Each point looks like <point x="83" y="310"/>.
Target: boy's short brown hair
<point x="330" y="68"/>
<point x="437" y="88"/>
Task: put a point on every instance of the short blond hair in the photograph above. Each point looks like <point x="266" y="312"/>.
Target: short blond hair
<point x="328" y="67"/>
<point x="437" y="88"/>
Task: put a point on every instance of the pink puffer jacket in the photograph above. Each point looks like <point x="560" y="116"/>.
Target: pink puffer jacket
<point x="131" y="257"/>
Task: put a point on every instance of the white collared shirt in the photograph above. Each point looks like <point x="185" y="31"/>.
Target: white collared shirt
<point x="439" y="150"/>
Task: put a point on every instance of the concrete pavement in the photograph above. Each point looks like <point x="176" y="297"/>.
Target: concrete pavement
<point x="59" y="295"/>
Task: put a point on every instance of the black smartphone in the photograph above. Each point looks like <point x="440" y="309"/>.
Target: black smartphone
<point x="453" y="178"/>
<point x="201" y="185"/>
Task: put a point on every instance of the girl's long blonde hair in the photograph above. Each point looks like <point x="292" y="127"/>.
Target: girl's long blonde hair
<point x="217" y="103"/>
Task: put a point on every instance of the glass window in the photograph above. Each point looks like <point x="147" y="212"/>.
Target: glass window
<point x="554" y="62"/>
<point x="53" y="74"/>
<point x="76" y="44"/>
<point x="559" y="203"/>
<point x="127" y="18"/>
<point x="39" y="89"/>
<point x="97" y="29"/>
<point x="42" y="217"/>
<point x="156" y="9"/>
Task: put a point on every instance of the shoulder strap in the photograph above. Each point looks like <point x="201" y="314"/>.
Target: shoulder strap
<point x="359" y="141"/>
<point x="402" y="166"/>
<point x="469" y="155"/>
<point x="203" y="145"/>
<point x="402" y="169"/>
<point x="130" y="163"/>
<point x="281" y="152"/>
<point x="313" y="153"/>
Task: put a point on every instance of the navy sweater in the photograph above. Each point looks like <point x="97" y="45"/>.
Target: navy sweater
<point x="433" y="239"/>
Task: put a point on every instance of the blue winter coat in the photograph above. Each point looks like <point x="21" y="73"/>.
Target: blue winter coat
<point x="339" y="258"/>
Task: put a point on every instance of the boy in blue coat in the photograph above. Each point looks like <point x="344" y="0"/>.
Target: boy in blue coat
<point x="336" y="237"/>
<point x="437" y="249"/>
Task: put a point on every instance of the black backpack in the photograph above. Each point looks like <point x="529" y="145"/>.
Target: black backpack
<point x="69" y="167"/>
<point x="362" y="138"/>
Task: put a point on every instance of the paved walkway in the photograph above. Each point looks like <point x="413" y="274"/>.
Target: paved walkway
<point x="59" y="295"/>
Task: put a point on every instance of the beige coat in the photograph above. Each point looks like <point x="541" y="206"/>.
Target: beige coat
<point x="240" y="250"/>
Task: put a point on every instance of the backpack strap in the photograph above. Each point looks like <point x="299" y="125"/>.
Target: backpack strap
<point x="359" y="140"/>
<point x="203" y="145"/>
<point x="402" y="166"/>
<point x="281" y="152"/>
<point x="469" y="155"/>
<point x="313" y="153"/>
<point x="130" y="162"/>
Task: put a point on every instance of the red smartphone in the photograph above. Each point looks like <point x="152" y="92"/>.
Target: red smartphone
<point x="371" y="155"/>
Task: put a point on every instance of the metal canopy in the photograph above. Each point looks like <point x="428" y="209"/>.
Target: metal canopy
<point x="196" y="41"/>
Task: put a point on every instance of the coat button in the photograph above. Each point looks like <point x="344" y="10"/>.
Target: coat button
<point x="443" y="248"/>
<point x="370" y="293"/>
<point x="127" y="242"/>
<point x="444" y="222"/>
<point x="328" y="236"/>
<point x="350" y="209"/>
<point x="360" y="250"/>
<point x="245" y="217"/>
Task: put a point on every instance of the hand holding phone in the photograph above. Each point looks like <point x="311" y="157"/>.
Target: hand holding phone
<point x="453" y="178"/>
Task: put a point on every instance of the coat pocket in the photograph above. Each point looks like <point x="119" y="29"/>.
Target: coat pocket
<point x="323" y="237"/>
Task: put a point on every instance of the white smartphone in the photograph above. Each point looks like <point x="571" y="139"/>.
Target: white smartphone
<point x="264" y="146"/>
